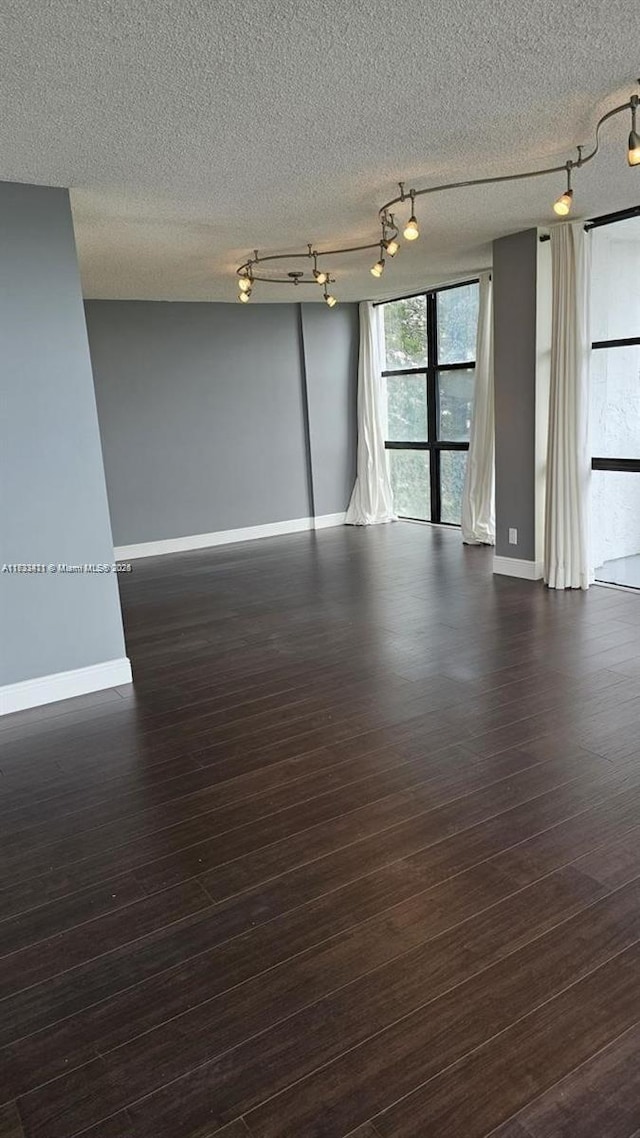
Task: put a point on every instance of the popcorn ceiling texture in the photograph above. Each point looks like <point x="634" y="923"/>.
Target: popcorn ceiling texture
<point x="193" y="131"/>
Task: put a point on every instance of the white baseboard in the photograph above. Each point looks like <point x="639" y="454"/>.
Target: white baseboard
<point x="225" y="537"/>
<point x="325" y="521"/>
<point x="516" y="567"/>
<point x="64" y="685"/>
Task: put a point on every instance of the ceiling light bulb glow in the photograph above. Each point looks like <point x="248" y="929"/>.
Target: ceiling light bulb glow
<point x="244" y="296"/>
<point x="392" y="247"/>
<point x="633" y="152"/>
<point x="245" y="284"/>
<point x="563" y="204"/>
<point x="331" y="300"/>
<point x="411" y="231"/>
<point x="377" y="269"/>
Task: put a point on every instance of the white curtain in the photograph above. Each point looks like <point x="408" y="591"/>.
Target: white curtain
<point x="372" y="500"/>
<point x="566" y="555"/>
<point x="478" y="498"/>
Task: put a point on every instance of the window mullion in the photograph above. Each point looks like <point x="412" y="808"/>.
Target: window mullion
<point x="432" y="404"/>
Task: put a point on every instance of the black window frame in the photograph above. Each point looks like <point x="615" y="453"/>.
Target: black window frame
<point x="433" y="445"/>
<point x="623" y="465"/>
<point x="597" y="462"/>
<point x="630" y="465"/>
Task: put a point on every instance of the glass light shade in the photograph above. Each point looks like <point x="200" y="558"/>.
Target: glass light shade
<point x="633" y="153"/>
<point x="563" y="204"/>
<point x="411" y="231"/>
<point x="244" y="296"/>
<point x="392" y="248"/>
<point x="331" y="300"/>
<point x="245" y="284"/>
<point x="320" y="276"/>
<point x="377" y="269"/>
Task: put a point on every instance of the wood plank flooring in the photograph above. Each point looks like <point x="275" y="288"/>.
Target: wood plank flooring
<point x="359" y="855"/>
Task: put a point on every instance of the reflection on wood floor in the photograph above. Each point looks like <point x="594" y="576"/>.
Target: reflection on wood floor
<point x="359" y="855"/>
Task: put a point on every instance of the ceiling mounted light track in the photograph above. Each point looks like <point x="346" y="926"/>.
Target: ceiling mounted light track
<point x="261" y="268"/>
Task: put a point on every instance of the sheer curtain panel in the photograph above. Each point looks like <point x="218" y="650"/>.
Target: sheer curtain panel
<point x="566" y="555"/>
<point x="478" y="498"/>
<point x="372" y="500"/>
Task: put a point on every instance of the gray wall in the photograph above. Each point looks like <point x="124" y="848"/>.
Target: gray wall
<point x="203" y="413"/>
<point x="515" y="355"/>
<point x="330" y="338"/>
<point x="53" y="502"/>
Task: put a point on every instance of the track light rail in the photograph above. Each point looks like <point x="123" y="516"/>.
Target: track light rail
<point x="388" y="243"/>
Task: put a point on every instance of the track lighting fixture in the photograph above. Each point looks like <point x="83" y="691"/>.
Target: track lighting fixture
<point x="389" y="244"/>
<point x="262" y="268"/>
<point x="320" y="276"/>
<point x="562" y="205"/>
<point x="411" y="231"/>
<point x="633" y="152"/>
<point x="378" y="269"/>
<point x="328" y="298"/>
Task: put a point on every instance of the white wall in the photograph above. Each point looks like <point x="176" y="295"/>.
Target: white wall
<point x="615" y="389"/>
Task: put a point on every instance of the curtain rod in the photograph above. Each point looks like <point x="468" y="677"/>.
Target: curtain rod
<point x="605" y="219"/>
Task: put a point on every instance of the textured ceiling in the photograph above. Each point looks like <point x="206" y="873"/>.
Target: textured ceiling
<point x="192" y="131"/>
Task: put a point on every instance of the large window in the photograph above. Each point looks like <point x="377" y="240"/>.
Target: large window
<point x="615" y="401"/>
<point x="430" y="343"/>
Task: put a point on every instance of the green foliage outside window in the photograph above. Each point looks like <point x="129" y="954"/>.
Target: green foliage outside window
<point x="406" y="347"/>
<point x="453" y="464"/>
<point x="405" y="333"/>
<point x="457" y="324"/>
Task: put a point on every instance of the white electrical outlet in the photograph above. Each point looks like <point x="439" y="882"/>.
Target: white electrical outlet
<point x="513" y="537"/>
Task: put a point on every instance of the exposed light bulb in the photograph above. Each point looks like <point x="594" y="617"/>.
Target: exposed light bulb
<point x="411" y="231"/>
<point x="563" y="204"/>
<point x="244" y="296"/>
<point x="392" y="247"/>
<point x="377" y="269"/>
<point x="330" y="300"/>
<point x="633" y="153"/>
<point x="321" y="277"/>
<point x="245" y="284"/>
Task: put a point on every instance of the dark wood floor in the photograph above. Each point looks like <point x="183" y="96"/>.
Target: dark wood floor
<point x="360" y="856"/>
